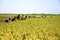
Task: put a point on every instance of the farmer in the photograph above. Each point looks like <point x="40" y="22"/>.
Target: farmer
<point x="12" y="19"/>
<point x="18" y="17"/>
<point x="22" y="17"/>
<point x="29" y="16"/>
<point x="6" y="20"/>
<point x="44" y="16"/>
<point x="25" y="18"/>
<point x="33" y="16"/>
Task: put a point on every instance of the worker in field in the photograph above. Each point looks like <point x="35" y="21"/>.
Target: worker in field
<point x="13" y="19"/>
<point x="18" y="16"/>
<point x="29" y="16"/>
<point x="7" y="19"/>
<point x="33" y="16"/>
<point x="23" y="17"/>
<point x="44" y="16"/>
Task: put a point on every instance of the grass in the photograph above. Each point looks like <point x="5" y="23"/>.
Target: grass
<point x="30" y="29"/>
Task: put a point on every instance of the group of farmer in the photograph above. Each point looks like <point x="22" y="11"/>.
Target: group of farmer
<point x="23" y="17"/>
<point x="18" y="17"/>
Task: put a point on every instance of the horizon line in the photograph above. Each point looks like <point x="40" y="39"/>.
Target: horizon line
<point x="29" y="13"/>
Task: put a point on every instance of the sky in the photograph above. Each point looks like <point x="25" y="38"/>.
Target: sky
<point x="30" y="6"/>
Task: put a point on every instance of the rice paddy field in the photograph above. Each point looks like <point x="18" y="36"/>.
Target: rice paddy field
<point x="30" y="29"/>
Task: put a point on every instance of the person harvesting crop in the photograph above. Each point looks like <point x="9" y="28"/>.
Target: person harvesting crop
<point x="18" y="16"/>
